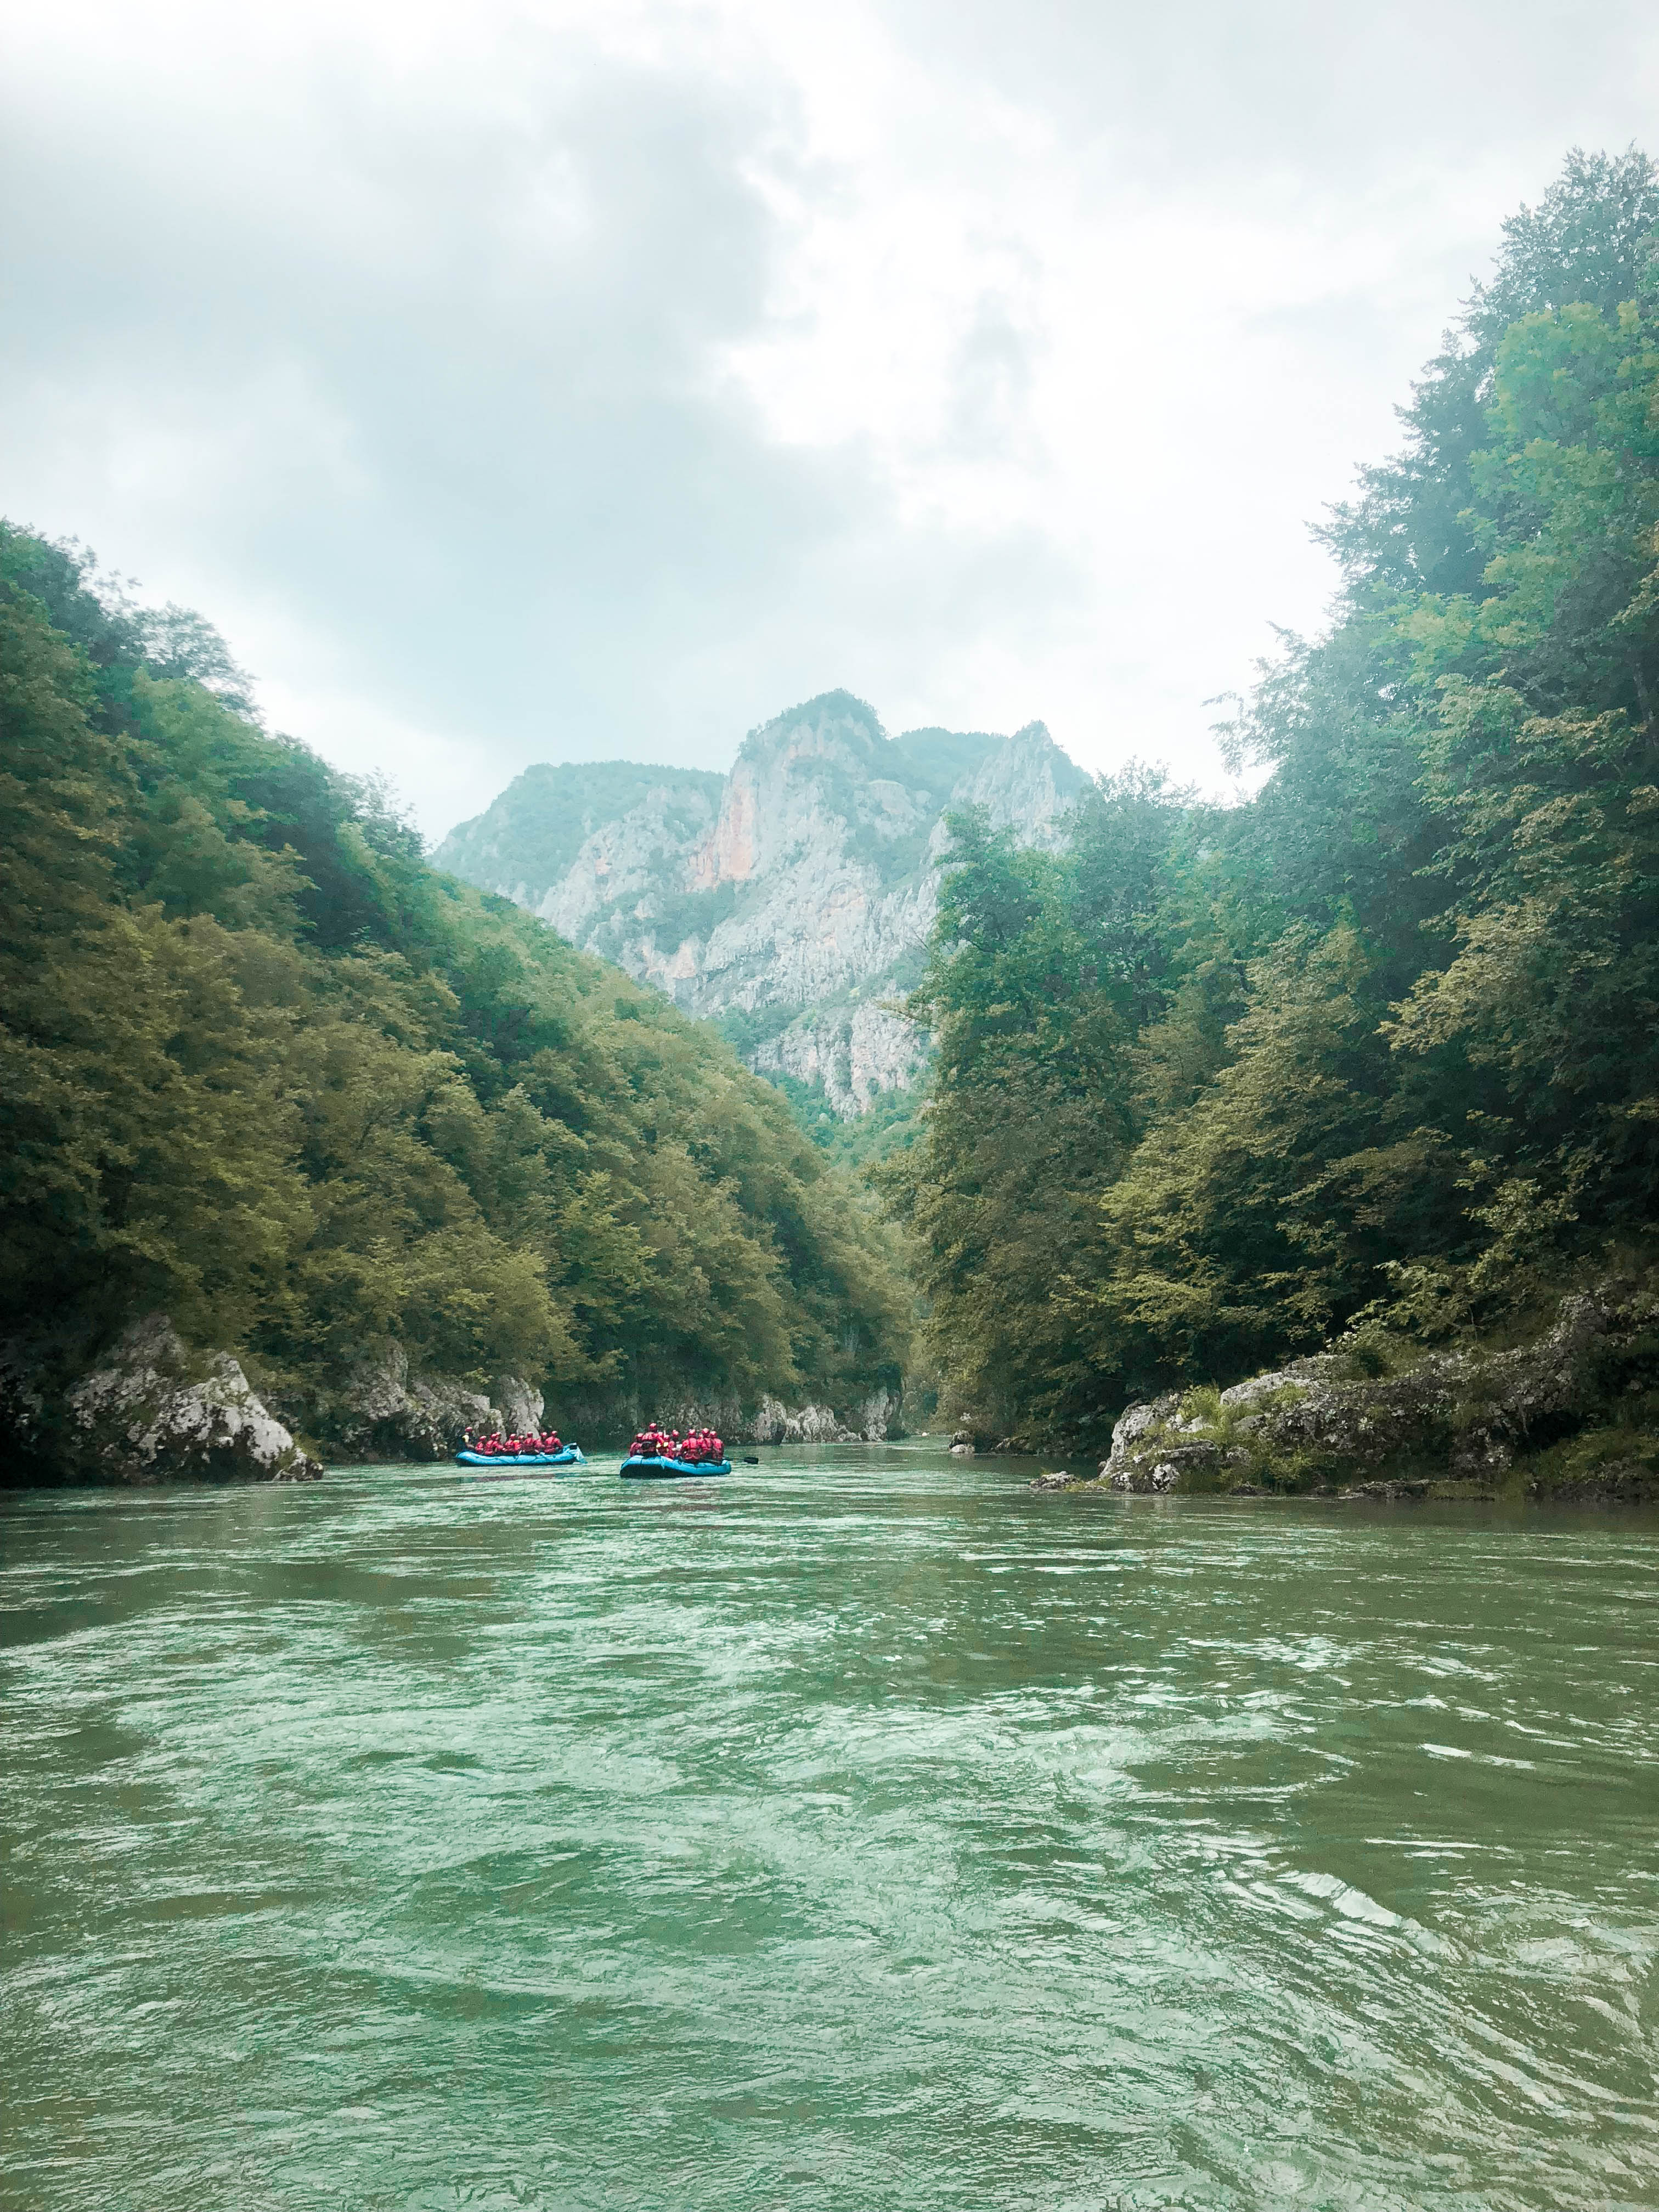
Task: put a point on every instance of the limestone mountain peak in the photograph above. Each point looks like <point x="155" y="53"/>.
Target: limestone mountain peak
<point x="793" y="898"/>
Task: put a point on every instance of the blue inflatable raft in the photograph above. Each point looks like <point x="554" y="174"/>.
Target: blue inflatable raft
<point x="656" y="1470"/>
<point x="510" y="1463"/>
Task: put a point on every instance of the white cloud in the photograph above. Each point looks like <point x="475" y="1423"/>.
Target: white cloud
<point x="531" y="381"/>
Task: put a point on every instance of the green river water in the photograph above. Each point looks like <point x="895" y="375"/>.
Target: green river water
<point x="863" y="1831"/>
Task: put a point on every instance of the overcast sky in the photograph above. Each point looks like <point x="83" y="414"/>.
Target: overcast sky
<point x="528" y="382"/>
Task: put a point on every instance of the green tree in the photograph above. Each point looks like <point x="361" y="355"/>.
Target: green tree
<point x="262" y="1067"/>
<point x="1384" y="1034"/>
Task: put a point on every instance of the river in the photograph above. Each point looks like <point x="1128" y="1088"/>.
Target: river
<point x="863" y="1831"/>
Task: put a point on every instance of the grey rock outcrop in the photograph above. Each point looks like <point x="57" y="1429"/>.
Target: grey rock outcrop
<point x="773" y="1423"/>
<point x="385" y="1411"/>
<point x="520" y="1406"/>
<point x="798" y="908"/>
<point x="1135" y="1457"/>
<point x="528" y="839"/>
<point x="853" y="1054"/>
<point x="1460" y="1416"/>
<point x="877" y="1418"/>
<point x="146" y="1410"/>
<point x="1155" y="1448"/>
<point x="871" y="1420"/>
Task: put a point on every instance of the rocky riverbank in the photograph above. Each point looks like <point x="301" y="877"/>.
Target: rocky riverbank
<point x="1573" y="1414"/>
<point x="146" y="1408"/>
<point x="871" y="1420"/>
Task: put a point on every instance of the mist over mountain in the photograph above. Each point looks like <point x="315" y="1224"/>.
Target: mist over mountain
<point x="793" y="899"/>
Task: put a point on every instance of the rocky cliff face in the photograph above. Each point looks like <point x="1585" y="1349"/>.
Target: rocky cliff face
<point x="383" y="1411"/>
<point x="528" y="839"/>
<point x="795" y="900"/>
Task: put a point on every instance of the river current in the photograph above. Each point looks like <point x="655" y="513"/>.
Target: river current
<point x="861" y="1832"/>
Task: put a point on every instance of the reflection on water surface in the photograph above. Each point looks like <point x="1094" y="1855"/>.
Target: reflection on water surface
<point x="862" y="1832"/>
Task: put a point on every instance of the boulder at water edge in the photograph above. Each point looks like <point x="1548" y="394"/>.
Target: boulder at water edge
<point x="147" y="1410"/>
<point x="1569" y="1412"/>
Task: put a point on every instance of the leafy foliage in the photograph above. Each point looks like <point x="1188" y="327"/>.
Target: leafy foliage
<point x="1384" y="1041"/>
<point x="262" y="1066"/>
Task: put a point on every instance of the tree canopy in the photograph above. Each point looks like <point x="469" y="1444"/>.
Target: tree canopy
<point x="262" y="1067"/>
<point x="1385" y="1039"/>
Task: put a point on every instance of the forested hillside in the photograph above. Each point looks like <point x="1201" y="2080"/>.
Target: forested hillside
<point x="1380" y="1047"/>
<point x="262" y="1069"/>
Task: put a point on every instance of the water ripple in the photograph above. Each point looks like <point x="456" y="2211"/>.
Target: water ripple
<point x="865" y="1833"/>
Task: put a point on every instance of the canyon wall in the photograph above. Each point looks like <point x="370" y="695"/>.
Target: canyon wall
<point x="791" y="899"/>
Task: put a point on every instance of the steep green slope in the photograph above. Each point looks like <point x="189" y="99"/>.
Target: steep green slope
<point x="262" y="1067"/>
<point x="935" y="760"/>
<point x="1380" y="1047"/>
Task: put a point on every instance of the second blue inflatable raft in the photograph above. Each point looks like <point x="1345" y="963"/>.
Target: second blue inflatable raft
<point x="651" y="1470"/>
<point x="504" y="1462"/>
